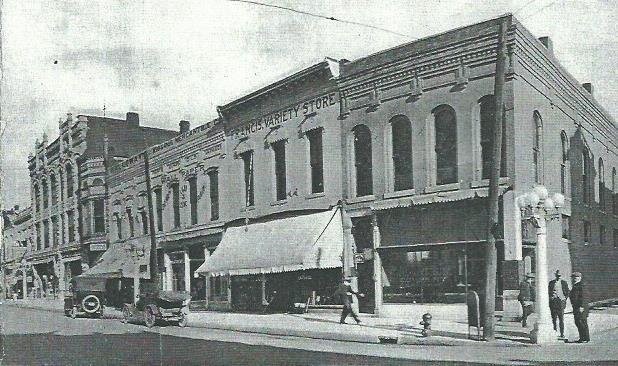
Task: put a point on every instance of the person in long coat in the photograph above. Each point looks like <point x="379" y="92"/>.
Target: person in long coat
<point x="344" y="294"/>
<point x="580" y="308"/>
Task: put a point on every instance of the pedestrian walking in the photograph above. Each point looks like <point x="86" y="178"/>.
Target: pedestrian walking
<point x="558" y="293"/>
<point x="526" y="298"/>
<point x="344" y="294"/>
<point x="580" y="308"/>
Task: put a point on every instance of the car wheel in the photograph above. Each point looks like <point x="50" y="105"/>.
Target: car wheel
<point x="91" y="304"/>
<point x="74" y="312"/>
<point x="182" y="322"/>
<point x="149" y="317"/>
<point x="126" y="314"/>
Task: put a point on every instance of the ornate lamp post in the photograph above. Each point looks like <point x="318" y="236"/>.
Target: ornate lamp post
<point x="537" y="207"/>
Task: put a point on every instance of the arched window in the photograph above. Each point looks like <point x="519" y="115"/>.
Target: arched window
<point x="601" y="185"/>
<point x="487" y="119"/>
<point x="585" y="176"/>
<point x="362" y="160"/>
<point x="37" y="197"/>
<point x="563" y="165"/>
<point x="537" y="147"/>
<point x="402" y="152"/>
<point x="445" y="124"/>
<point x="54" y="189"/>
<point x="69" y="177"/>
<point x="614" y="193"/>
<point x="45" y="194"/>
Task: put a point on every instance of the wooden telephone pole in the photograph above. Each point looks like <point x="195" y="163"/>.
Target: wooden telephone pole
<point x="154" y="264"/>
<point x="496" y="159"/>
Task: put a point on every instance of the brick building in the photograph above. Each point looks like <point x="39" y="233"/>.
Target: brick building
<point x="68" y="189"/>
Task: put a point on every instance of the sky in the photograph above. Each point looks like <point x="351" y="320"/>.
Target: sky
<point x="171" y="60"/>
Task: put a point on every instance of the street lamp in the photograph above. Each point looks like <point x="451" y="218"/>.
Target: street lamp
<point x="537" y="207"/>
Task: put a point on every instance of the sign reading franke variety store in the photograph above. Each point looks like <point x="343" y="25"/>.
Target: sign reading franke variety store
<point x="296" y="111"/>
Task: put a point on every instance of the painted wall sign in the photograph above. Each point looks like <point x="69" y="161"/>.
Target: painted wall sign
<point x="281" y="116"/>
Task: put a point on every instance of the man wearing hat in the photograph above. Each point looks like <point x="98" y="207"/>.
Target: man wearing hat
<point x="580" y="308"/>
<point x="526" y="298"/>
<point x="344" y="294"/>
<point x="558" y="293"/>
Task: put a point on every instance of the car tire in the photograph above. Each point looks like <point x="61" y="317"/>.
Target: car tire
<point x="86" y="306"/>
<point x="74" y="312"/>
<point x="149" y="317"/>
<point x="182" y="322"/>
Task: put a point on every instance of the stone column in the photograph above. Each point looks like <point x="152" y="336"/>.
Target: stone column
<point x="167" y="284"/>
<point x="207" y="278"/>
<point x="187" y="263"/>
<point x="377" y="265"/>
<point x="62" y="285"/>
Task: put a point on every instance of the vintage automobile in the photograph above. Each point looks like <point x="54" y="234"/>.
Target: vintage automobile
<point x="86" y="297"/>
<point x="154" y="306"/>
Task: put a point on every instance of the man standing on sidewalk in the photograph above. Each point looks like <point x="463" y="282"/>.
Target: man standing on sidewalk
<point x="558" y="293"/>
<point x="580" y="308"/>
<point x="526" y="298"/>
<point x="344" y="294"/>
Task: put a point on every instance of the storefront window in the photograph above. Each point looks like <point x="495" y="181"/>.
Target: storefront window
<point x="431" y="276"/>
<point x="218" y="288"/>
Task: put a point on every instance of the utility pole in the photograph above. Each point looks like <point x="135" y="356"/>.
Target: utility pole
<point x="496" y="158"/>
<point x="154" y="265"/>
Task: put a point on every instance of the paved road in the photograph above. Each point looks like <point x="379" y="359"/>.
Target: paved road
<point x="37" y="337"/>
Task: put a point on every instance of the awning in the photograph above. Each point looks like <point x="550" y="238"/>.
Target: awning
<point x="282" y="245"/>
<point x="438" y="197"/>
<point x="127" y="259"/>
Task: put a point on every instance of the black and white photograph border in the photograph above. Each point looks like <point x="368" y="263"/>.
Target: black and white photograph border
<point x="291" y="182"/>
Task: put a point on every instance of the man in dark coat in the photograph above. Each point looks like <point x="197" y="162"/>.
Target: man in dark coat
<point x="580" y="308"/>
<point x="558" y="293"/>
<point x="526" y="298"/>
<point x="344" y="294"/>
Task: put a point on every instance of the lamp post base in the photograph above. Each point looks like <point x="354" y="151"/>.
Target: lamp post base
<point x="543" y="333"/>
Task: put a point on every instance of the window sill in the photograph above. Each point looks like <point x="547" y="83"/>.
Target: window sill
<point x="315" y="195"/>
<point x="485" y="182"/>
<point x="247" y="209"/>
<point x="397" y="194"/>
<point x="367" y="198"/>
<point x="443" y="188"/>
<point x="279" y="203"/>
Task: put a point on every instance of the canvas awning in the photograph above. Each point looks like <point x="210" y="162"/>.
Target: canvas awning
<point x="126" y="259"/>
<point x="282" y="245"/>
<point x="438" y="197"/>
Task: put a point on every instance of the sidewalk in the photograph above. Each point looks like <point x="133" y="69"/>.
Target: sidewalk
<point x="325" y="325"/>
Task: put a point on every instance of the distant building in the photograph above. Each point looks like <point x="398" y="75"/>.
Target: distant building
<point x="16" y="239"/>
<point x="68" y="189"/>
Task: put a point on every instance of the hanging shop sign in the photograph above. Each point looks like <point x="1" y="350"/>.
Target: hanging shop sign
<point x="281" y="116"/>
<point x="97" y="247"/>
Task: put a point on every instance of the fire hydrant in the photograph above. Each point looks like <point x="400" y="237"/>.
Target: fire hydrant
<point x="426" y="323"/>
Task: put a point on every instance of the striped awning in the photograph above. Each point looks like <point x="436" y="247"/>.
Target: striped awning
<point x="438" y="197"/>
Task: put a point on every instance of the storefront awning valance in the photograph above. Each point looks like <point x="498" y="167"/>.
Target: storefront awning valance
<point x="128" y="259"/>
<point x="282" y="245"/>
<point x="438" y="197"/>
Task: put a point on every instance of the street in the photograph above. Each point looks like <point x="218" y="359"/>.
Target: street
<point x="36" y="337"/>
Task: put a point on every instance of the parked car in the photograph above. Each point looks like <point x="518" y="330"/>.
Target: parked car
<point x="86" y="297"/>
<point x="154" y="306"/>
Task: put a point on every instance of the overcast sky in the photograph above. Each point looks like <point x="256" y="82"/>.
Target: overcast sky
<point x="173" y="60"/>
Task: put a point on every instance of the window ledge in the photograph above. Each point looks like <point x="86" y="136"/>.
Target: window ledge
<point x="485" y="182"/>
<point x="396" y="194"/>
<point x="279" y="203"/>
<point x="315" y="195"/>
<point x="443" y="188"/>
<point x="367" y="198"/>
<point x="247" y="209"/>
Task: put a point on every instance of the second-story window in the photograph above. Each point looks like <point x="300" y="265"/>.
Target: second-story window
<point x="316" y="160"/>
<point x="38" y="236"/>
<point x="602" y="234"/>
<point x="487" y="121"/>
<point x="118" y="225"/>
<point x="247" y="158"/>
<point x="176" y="203"/>
<point x="363" y="160"/>
<point x="99" y="216"/>
<point x="601" y="185"/>
<point x="144" y="218"/>
<point x="563" y="165"/>
<point x="71" y="225"/>
<point x="55" y="231"/>
<point x="46" y="233"/>
<point x="193" y="199"/>
<point x="402" y="153"/>
<point x="213" y="181"/>
<point x="37" y="198"/>
<point x="446" y="144"/>
<point x="131" y="222"/>
<point x="45" y="194"/>
<point x="69" y="178"/>
<point x="587" y="232"/>
<point x="158" y="193"/>
<point x="280" y="170"/>
<point x="585" y="176"/>
<point x="54" y="189"/>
